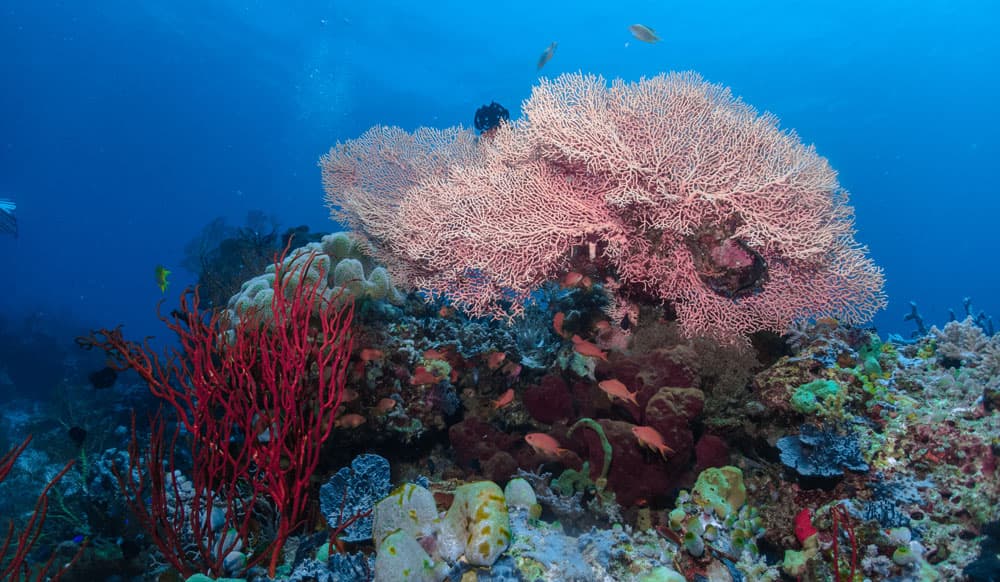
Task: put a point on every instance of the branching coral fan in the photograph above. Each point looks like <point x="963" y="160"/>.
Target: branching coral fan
<point x="667" y="189"/>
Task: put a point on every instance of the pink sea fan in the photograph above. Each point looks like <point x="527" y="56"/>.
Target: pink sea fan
<point x="677" y="152"/>
<point x="365" y="179"/>
<point x="678" y="192"/>
<point x="497" y="227"/>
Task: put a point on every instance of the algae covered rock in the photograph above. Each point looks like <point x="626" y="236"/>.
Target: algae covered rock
<point x="354" y="490"/>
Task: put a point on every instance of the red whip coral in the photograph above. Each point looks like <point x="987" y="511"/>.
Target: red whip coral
<point x="256" y="401"/>
<point x="667" y="189"/>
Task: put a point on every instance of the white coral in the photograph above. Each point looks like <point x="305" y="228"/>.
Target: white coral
<point x="961" y="341"/>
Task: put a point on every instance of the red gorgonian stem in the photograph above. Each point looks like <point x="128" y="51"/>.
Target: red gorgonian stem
<point x="16" y="565"/>
<point x="257" y="397"/>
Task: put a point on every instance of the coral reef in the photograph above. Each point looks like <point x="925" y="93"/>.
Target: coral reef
<point x="527" y="453"/>
<point x="607" y="350"/>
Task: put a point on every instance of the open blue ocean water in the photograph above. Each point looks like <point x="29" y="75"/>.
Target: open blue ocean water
<point x="128" y="126"/>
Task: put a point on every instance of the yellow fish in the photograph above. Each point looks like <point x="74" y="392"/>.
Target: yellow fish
<point x="161" y="278"/>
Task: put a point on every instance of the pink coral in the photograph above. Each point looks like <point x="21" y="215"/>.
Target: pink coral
<point x="667" y="189"/>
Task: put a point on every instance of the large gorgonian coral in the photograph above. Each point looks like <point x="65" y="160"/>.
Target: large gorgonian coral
<point x="668" y="189"/>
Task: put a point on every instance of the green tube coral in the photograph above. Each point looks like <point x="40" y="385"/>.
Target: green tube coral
<point x="602" y="481"/>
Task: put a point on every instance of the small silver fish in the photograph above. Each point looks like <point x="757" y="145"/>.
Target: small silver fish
<point x="644" y="33"/>
<point x="546" y="56"/>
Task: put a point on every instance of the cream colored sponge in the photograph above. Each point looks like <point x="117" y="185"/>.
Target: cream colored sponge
<point x="410" y="508"/>
<point x="402" y="559"/>
<point x="477" y="525"/>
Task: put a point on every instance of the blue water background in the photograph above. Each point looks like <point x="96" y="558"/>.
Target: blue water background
<point x="126" y="126"/>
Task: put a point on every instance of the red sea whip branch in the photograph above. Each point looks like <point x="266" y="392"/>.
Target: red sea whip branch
<point x="301" y="403"/>
<point x="842" y="519"/>
<point x="18" y="564"/>
<point x="275" y="378"/>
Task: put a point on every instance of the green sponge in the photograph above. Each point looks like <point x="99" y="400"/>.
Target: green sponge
<point x="818" y="396"/>
<point x="662" y="574"/>
<point x="477" y="526"/>
<point x="721" y="489"/>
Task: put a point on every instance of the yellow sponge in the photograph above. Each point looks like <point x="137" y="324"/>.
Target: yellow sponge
<point x="477" y="525"/>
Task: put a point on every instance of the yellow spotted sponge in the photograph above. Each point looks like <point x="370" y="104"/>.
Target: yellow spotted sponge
<point x="410" y="508"/>
<point x="402" y="559"/>
<point x="477" y="525"/>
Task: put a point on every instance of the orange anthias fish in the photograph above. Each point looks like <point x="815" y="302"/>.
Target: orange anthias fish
<point x="505" y="399"/>
<point x="350" y="421"/>
<point x="644" y="33"/>
<point x="546" y="56"/>
<point x="435" y="355"/>
<point x="616" y="389"/>
<point x="650" y="438"/>
<point x="557" y="322"/>
<point x="544" y="444"/>
<point x="511" y="369"/>
<point x="423" y="376"/>
<point x="495" y="360"/>
<point x="575" y="279"/>
<point x="571" y="279"/>
<point x="370" y="354"/>
<point x="585" y="348"/>
<point x="385" y="405"/>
